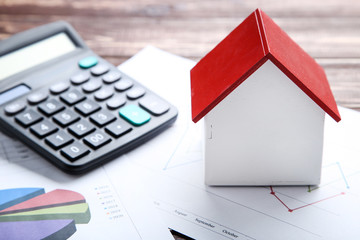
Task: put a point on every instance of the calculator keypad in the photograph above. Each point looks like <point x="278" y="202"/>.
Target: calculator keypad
<point x="66" y="117"/>
<point x="72" y="97"/>
<point x="80" y="78"/>
<point x="97" y="139"/>
<point x="51" y="107"/>
<point x="81" y="128"/>
<point x="37" y="97"/>
<point x="100" y="69"/>
<point x="87" y="107"/>
<point x="75" y="151"/>
<point x="92" y="85"/>
<point x="94" y="108"/>
<point x="28" y="118"/>
<point x="59" y="87"/>
<point x="59" y="139"/>
<point x="118" y="128"/>
<point x="111" y="77"/>
<point x="104" y="93"/>
<point x="15" y="107"/>
<point x="134" y="115"/>
<point x="102" y="118"/>
<point x="43" y="128"/>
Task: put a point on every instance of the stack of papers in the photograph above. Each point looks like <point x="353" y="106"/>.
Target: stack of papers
<point x="160" y="184"/>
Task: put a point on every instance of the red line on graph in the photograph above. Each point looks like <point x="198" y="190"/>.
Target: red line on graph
<point x="272" y="192"/>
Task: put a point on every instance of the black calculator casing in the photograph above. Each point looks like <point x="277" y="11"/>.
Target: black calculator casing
<point x="61" y="69"/>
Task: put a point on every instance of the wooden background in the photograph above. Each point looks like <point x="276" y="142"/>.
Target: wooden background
<point x="329" y="30"/>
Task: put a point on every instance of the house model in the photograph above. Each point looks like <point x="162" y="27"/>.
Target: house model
<point x="263" y="100"/>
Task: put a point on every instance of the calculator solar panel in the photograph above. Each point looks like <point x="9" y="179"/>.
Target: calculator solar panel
<point x="74" y="108"/>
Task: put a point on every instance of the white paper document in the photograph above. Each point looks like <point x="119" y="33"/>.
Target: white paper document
<point x="110" y="214"/>
<point x="172" y="168"/>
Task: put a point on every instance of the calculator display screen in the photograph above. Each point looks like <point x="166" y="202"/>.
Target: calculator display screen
<point x="35" y="54"/>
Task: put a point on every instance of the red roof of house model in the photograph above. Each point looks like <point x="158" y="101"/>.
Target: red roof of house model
<point x="242" y="52"/>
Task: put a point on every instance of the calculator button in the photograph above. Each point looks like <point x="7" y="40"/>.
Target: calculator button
<point x="37" y="97"/>
<point x="124" y="84"/>
<point x="116" y="102"/>
<point x="58" y="140"/>
<point x="88" y="62"/>
<point x="111" y="77"/>
<point x="51" y="107"/>
<point x="28" y="118"/>
<point x="134" y="114"/>
<point x="104" y="93"/>
<point x="154" y="105"/>
<point x="15" y="107"/>
<point x="80" y="78"/>
<point x="118" y="128"/>
<point x="102" y="118"/>
<point x="72" y="97"/>
<point x="97" y="139"/>
<point x="81" y="128"/>
<point x="74" y="151"/>
<point x="66" y="117"/>
<point x="92" y="85"/>
<point x="43" y="128"/>
<point x="59" y="87"/>
<point x="87" y="107"/>
<point x="135" y="93"/>
<point x="100" y="69"/>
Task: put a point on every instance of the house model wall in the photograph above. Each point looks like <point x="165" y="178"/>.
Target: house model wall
<point x="263" y="100"/>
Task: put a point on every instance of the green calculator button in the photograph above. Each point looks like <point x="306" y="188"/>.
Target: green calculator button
<point x="134" y="114"/>
<point x="88" y="62"/>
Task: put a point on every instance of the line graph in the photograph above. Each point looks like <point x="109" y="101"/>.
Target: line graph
<point x="188" y="149"/>
<point x="272" y="192"/>
<point x="339" y="175"/>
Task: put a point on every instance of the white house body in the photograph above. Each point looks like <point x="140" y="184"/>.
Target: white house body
<point x="265" y="132"/>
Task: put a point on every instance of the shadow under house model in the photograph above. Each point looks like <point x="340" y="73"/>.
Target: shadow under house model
<point x="263" y="100"/>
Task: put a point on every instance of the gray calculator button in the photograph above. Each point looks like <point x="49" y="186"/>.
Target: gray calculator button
<point x="135" y="93"/>
<point x="123" y="84"/>
<point x="104" y="93"/>
<point x="43" y="128"/>
<point x="118" y="128"/>
<point x="66" y="117"/>
<point x="111" y="77"/>
<point x="92" y="85"/>
<point x="15" y="107"/>
<point x="58" y="140"/>
<point x="100" y="69"/>
<point x="74" y="151"/>
<point x="97" y="139"/>
<point x="102" y="118"/>
<point x="87" y="107"/>
<point x="51" y="107"/>
<point x="80" y="78"/>
<point x="28" y="118"/>
<point x="59" y="87"/>
<point x="116" y="102"/>
<point x="81" y="128"/>
<point x="154" y="105"/>
<point x="37" y="97"/>
<point x="72" y="97"/>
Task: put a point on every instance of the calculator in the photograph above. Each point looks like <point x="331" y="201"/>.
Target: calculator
<point x="71" y="106"/>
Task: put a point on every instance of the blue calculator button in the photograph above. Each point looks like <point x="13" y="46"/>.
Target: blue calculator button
<point x="88" y="62"/>
<point x="134" y="114"/>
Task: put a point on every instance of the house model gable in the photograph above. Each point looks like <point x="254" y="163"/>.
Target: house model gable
<point x="256" y="40"/>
